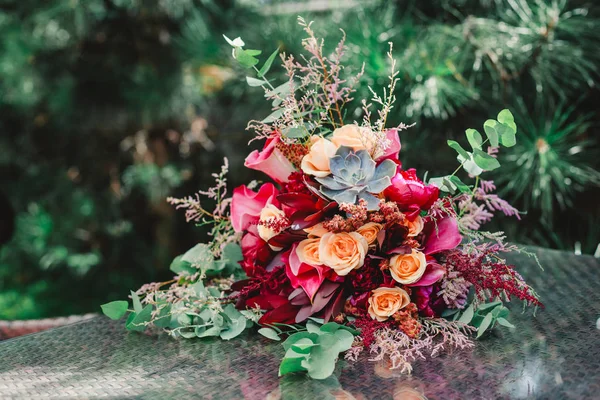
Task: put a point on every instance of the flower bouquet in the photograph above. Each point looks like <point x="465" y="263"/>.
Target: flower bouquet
<point x="347" y="250"/>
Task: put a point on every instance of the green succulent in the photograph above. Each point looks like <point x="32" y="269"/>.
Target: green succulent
<point x="355" y="176"/>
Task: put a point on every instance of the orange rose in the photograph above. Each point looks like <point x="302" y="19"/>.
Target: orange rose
<point x="414" y="227"/>
<point x="384" y="302"/>
<point x="308" y="251"/>
<point x="354" y="136"/>
<point x="316" y="230"/>
<point x="343" y="251"/>
<point x="269" y="214"/>
<point x="316" y="162"/>
<point x="408" y="268"/>
<point x="370" y="231"/>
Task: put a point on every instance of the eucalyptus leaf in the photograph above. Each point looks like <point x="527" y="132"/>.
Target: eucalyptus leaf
<point x="178" y="265"/>
<point x="137" y="304"/>
<point x="474" y="138"/>
<point x="253" y="82"/>
<point x="487" y="320"/>
<point x="245" y="58"/>
<point x="115" y="309"/>
<point x="140" y="319"/>
<point x="467" y="315"/>
<point x="303" y="346"/>
<point x="274" y="116"/>
<point x="295" y="132"/>
<point x="504" y="322"/>
<point x="290" y="365"/>
<point x="459" y="149"/>
<point x="269" y="333"/>
<point x="490" y="131"/>
<point x="267" y="65"/>
<point x="485" y="161"/>
<point x="459" y="184"/>
<point x="163" y="318"/>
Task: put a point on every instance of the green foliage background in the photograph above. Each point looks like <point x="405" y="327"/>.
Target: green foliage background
<point x="109" y="106"/>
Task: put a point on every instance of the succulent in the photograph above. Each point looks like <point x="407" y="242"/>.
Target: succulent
<point x="355" y="176"/>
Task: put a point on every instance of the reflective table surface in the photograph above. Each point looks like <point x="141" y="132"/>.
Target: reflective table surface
<point x="554" y="355"/>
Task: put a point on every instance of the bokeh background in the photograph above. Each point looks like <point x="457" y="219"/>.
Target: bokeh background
<point x="109" y="106"/>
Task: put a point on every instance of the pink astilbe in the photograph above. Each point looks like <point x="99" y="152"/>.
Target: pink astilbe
<point x="454" y="288"/>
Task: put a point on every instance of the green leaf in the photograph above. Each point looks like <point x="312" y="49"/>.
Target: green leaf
<point x="199" y="254"/>
<point x="163" y="318"/>
<point x="506" y="117"/>
<point x="137" y="304"/>
<point x="289" y="365"/>
<point x="255" y="82"/>
<point x="269" y="333"/>
<point x="459" y="184"/>
<point x="253" y="52"/>
<point x="236" y="325"/>
<point x="485" y="161"/>
<point x="470" y="166"/>
<point x="344" y="340"/>
<point x="178" y="265"/>
<point x="115" y="309"/>
<point x="456" y="146"/>
<point x="267" y="65"/>
<point x="504" y="322"/>
<point x="467" y="315"/>
<point x="303" y="346"/>
<point x="295" y="132"/>
<point x="212" y="331"/>
<point x="287" y="344"/>
<point x="485" y="306"/>
<point x="274" y="116"/>
<point x="137" y="323"/>
<point x="237" y="42"/>
<point x="507" y="135"/>
<point x="490" y="130"/>
<point x="313" y="327"/>
<point x="474" y="138"/>
<point x="245" y="58"/>
<point x="484" y="325"/>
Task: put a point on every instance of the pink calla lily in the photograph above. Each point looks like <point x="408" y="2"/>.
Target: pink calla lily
<point x="442" y="235"/>
<point x="433" y="273"/>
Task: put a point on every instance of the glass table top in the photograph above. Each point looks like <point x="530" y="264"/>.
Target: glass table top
<point x="553" y="355"/>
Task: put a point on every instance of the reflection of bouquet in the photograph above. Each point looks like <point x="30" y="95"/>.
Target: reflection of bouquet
<point x="347" y="250"/>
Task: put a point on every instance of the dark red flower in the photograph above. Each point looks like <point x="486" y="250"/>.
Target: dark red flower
<point x="411" y="193"/>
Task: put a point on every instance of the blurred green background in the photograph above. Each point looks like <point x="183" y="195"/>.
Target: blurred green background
<point x="109" y="106"/>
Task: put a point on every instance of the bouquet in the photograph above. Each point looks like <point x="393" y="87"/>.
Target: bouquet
<point x="346" y="250"/>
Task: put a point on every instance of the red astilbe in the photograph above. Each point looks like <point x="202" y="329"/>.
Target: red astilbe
<point x="388" y="213"/>
<point x="491" y="275"/>
<point x="293" y="152"/>
<point x="276" y="224"/>
<point x="295" y="184"/>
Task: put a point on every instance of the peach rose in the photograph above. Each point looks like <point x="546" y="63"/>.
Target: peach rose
<point x="414" y="227"/>
<point x="316" y="230"/>
<point x="316" y="162"/>
<point x="408" y="268"/>
<point x="370" y="231"/>
<point x="343" y="251"/>
<point x="308" y="251"/>
<point x="384" y="302"/>
<point x="268" y="214"/>
<point x="354" y="136"/>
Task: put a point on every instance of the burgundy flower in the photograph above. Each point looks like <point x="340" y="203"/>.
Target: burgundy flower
<point x="429" y="304"/>
<point x="256" y="252"/>
<point x="411" y="193"/>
